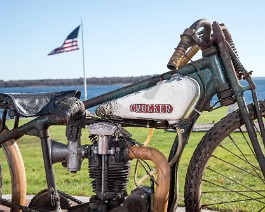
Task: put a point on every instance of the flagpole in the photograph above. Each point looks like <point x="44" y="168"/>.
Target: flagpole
<point x="84" y="70"/>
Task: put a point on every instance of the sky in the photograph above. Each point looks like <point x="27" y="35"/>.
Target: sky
<point x="121" y="37"/>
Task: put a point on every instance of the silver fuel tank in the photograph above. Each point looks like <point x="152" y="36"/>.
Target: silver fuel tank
<point x="170" y="100"/>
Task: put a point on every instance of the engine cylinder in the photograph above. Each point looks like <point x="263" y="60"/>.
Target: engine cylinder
<point x="116" y="169"/>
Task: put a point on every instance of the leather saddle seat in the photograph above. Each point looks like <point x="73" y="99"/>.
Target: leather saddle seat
<point x="35" y="104"/>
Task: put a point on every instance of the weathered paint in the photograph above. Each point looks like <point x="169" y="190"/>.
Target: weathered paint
<point x="168" y="100"/>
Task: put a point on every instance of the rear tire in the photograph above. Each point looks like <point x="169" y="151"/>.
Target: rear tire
<point x="223" y="173"/>
<point x="17" y="173"/>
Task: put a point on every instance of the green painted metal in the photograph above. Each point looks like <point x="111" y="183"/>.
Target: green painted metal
<point x="186" y="70"/>
<point x="238" y="93"/>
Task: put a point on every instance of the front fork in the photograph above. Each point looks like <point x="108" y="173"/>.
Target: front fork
<point x="251" y="131"/>
<point x="238" y="93"/>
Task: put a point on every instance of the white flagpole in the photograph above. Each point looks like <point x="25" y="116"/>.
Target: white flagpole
<point x="84" y="70"/>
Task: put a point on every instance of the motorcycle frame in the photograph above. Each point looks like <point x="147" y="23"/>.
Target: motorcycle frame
<point x="213" y="72"/>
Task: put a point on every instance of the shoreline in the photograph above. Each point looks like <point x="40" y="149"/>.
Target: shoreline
<point x="81" y="85"/>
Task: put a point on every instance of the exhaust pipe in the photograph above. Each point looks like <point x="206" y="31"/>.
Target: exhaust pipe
<point x="163" y="173"/>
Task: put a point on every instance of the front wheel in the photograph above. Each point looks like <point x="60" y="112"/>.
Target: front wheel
<point x="224" y="174"/>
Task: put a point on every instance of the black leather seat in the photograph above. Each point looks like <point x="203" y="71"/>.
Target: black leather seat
<point x="35" y="104"/>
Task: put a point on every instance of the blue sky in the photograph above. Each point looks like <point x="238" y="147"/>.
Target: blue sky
<point x="121" y="37"/>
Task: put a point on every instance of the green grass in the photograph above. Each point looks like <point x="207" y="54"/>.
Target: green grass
<point x="79" y="183"/>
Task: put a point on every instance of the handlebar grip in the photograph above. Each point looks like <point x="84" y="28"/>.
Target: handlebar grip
<point x="179" y="52"/>
<point x="188" y="39"/>
<point x="68" y="107"/>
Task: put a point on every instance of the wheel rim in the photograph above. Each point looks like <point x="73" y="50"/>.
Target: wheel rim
<point x="232" y="179"/>
<point x="17" y="172"/>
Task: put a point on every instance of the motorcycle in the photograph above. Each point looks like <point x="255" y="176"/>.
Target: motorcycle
<point x="174" y="101"/>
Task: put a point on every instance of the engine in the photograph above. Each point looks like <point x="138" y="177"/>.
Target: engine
<point x="109" y="163"/>
<point x="110" y="172"/>
<point x="109" y="169"/>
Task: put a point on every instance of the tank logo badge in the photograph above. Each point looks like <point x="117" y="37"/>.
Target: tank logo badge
<point x="151" y="108"/>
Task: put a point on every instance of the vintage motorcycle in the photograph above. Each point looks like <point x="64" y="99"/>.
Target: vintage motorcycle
<point x="173" y="100"/>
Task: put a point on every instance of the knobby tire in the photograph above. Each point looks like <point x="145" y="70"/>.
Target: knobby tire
<point x="223" y="174"/>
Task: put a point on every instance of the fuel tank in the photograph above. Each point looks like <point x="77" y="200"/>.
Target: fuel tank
<point x="169" y="100"/>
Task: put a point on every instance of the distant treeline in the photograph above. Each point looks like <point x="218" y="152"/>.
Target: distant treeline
<point x="68" y="82"/>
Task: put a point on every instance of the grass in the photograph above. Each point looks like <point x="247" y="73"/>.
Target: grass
<point x="79" y="183"/>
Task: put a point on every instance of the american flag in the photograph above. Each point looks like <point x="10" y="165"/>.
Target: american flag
<point x="70" y="43"/>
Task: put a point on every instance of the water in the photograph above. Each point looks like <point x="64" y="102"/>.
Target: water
<point x="260" y="90"/>
<point x="94" y="91"/>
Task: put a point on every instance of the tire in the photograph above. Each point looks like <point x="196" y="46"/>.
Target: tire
<point x="17" y="172"/>
<point x="223" y="174"/>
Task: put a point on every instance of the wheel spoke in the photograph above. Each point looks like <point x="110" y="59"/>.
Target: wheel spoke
<point x="232" y="201"/>
<point x="224" y="173"/>
<point x="255" y="168"/>
<point x="237" y="167"/>
<point x="236" y="182"/>
<point x="245" y="160"/>
<point x="248" y="197"/>
<point x="247" y="141"/>
<point x="235" y="191"/>
<point x="261" y="209"/>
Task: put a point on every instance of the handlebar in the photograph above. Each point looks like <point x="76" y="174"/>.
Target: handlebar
<point x="207" y="28"/>
<point x="189" y="38"/>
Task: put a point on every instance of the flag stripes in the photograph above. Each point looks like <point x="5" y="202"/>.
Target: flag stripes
<point x="70" y="43"/>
